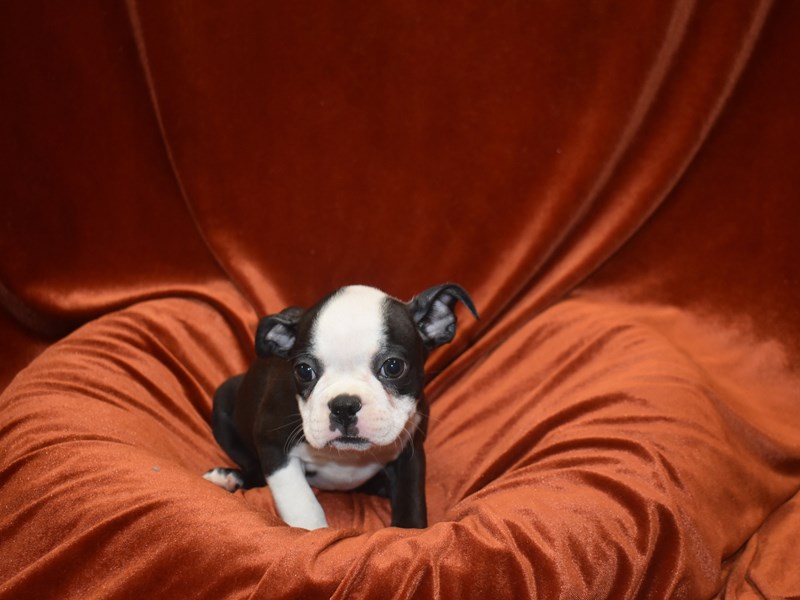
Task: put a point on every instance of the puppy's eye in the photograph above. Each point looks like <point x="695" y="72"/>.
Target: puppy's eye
<point x="304" y="373"/>
<point x="393" y="368"/>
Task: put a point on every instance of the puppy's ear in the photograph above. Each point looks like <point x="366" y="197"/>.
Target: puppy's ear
<point x="434" y="313"/>
<point x="276" y="333"/>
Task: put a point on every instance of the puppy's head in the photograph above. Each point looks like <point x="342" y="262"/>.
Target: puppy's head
<point x="357" y="360"/>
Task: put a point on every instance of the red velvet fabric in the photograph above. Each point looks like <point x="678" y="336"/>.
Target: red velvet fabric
<point x="615" y="185"/>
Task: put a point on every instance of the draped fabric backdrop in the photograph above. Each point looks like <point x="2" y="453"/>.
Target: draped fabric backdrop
<point x="615" y="183"/>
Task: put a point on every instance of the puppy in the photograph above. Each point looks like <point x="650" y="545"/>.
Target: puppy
<point x="335" y="400"/>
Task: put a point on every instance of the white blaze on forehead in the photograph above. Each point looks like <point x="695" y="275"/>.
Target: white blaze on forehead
<point x="350" y="328"/>
<point x="349" y="331"/>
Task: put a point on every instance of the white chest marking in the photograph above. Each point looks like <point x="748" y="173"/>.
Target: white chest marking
<point x="332" y="469"/>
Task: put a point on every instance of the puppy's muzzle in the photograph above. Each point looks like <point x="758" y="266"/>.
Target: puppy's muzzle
<point x="343" y="417"/>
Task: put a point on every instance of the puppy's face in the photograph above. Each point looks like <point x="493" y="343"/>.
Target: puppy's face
<point x="358" y="365"/>
<point x="357" y="361"/>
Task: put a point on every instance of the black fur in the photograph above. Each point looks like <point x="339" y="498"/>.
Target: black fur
<point x="256" y="418"/>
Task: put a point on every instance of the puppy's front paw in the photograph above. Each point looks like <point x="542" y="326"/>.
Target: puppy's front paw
<point x="307" y="521"/>
<point x="229" y="479"/>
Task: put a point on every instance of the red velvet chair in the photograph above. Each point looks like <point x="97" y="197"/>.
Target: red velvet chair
<point x="615" y="184"/>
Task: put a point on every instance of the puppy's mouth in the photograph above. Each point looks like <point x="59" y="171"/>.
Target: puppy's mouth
<point x="350" y="442"/>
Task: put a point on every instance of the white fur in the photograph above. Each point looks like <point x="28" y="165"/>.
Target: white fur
<point x="347" y="335"/>
<point x="224" y="478"/>
<point x="350" y="328"/>
<point x="294" y="499"/>
<point x="333" y="469"/>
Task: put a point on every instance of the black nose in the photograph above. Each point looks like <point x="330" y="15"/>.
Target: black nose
<point x="343" y="414"/>
<point x="344" y="408"/>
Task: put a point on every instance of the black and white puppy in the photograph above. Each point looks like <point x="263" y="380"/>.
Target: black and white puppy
<point x="335" y="400"/>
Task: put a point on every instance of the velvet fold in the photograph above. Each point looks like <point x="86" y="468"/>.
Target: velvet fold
<point x="614" y="184"/>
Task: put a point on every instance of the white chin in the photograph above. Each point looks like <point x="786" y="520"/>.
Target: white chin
<point x="357" y="444"/>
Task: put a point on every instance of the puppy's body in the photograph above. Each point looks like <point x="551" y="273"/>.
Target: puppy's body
<point x="335" y="400"/>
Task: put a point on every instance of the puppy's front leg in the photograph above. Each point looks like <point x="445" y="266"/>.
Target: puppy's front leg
<point x="407" y="487"/>
<point x="294" y="498"/>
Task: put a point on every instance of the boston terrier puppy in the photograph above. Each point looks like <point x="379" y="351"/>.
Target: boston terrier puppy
<point x="335" y="400"/>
